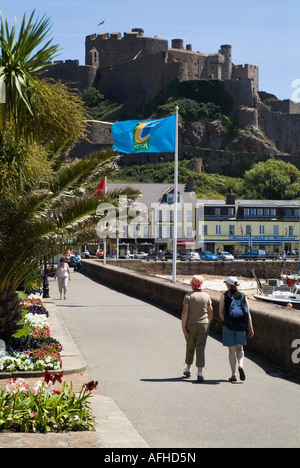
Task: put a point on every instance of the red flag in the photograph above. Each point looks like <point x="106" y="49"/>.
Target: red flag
<point x="100" y="188"/>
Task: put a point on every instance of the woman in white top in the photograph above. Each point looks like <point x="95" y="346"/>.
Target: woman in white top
<point x="63" y="275"/>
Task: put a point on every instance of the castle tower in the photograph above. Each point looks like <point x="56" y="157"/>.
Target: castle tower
<point x="177" y="43"/>
<point x="227" y="66"/>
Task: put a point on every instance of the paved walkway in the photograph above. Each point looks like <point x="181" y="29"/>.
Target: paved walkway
<point x="136" y="352"/>
<point x="113" y="429"/>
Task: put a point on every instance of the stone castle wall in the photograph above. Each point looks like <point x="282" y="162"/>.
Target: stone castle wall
<point x="281" y="128"/>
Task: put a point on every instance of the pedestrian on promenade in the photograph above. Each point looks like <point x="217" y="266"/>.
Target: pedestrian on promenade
<point x="77" y="261"/>
<point x="197" y="313"/>
<point x="235" y="313"/>
<point x="63" y="275"/>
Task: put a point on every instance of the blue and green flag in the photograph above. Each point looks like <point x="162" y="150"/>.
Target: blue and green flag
<point x="145" y="136"/>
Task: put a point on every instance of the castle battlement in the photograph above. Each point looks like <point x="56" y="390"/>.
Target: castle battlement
<point x="246" y="66"/>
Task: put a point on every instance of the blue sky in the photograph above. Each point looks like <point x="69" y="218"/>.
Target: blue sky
<point x="262" y="32"/>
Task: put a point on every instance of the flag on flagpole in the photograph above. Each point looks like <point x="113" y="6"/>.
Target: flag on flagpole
<point x="100" y="188"/>
<point x="145" y="136"/>
<point x="242" y="232"/>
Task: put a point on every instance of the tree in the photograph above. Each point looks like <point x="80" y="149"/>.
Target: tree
<point x="44" y="198"/>
<point x="20" y="64"/>
<point x="273" y="180"/>
<point x="36" y="224"/>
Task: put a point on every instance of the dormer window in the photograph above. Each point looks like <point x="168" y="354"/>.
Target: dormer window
<point x="170" y="197"/>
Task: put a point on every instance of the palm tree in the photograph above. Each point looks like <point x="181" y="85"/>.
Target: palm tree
<point x="39" y="221"/>
<point x="21" y="62"/>
<point x="37" y="214"/>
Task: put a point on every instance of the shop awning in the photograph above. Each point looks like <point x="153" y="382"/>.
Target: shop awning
<point x="186" y="243"/>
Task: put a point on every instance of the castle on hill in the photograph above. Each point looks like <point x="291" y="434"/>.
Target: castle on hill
<point x="139" y="67"/>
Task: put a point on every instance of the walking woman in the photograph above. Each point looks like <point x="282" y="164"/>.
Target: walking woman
<point x="197" y="313"/>
<point x="63" y="275"/>
<point x="235" y="313"/>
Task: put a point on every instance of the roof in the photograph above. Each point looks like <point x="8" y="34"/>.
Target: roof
<point x="256" y="203"/>
<point x="153" y="193"/>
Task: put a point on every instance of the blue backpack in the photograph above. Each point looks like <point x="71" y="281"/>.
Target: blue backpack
<point x="237" y="317"/>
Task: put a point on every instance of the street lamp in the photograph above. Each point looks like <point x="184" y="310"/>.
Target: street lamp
<point x="45" y="281"/>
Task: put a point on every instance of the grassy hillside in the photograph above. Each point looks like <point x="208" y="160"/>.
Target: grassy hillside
<point x="206" y="185"/>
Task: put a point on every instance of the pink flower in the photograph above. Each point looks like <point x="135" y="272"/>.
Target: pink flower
<point x="16" y="385"/>
<point x="32" y="415"/>
<point x="37" y="387"/>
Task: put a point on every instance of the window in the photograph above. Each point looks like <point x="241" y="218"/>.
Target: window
<point x="159" y="215"/>
<point x="231" y="229"/>
<point x="261" y="229"/>
<point x="189" y="215"/>
<point x="179" y="215"/>
<point x="170" y="197"/>
<point x="179" y="231"/>
<point x="273" y="211"/>
<point x="248" y="229"/>
<point x="169" y="232"/>
<point x="204" y="229"/>
<point x="159" y="232"/>
<point x="253" y="211"/>
<point x="259" y="212"/>
<point x="231" y="211"/>
<point x="189" y="232"/>
<point x="218" y="229"/>
<point x="266" y="211"/>
<point x="275" y="230"/>
<point x="288" y="212"/>
<point x="170" y="215"/>
<point x="217" y="211"/>
<point x="246" y="211"/>
<point x="291" y="230"/>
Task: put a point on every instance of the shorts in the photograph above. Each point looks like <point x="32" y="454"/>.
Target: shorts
<point x="62" y="282"/>
<point x="233" y="338"/>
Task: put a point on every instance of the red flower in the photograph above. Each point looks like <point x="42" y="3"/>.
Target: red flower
<point x="91" y="385"/>
<point x="58" y="377"/>
<point x="48" y="377"/>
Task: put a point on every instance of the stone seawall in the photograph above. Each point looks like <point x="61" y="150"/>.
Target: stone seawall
<point x="263" y="270"/>
<point x="276" y="328"/>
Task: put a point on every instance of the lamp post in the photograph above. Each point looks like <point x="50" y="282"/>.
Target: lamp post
<point x="45" y="281"/>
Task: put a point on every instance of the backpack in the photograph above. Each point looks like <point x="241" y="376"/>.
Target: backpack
<point x="237" y="317"/>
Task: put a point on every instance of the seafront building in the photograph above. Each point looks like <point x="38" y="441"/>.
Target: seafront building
<point x="230" y="224"/>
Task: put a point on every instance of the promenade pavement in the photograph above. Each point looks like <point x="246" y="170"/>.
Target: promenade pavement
<point x="160" y="411"/>
<point x="113" y="430"/>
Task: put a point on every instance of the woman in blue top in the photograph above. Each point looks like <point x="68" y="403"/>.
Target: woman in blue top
<point x="234" y="340"/>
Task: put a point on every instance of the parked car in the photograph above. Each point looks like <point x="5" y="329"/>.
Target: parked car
<point x="192" y="256"/>
<point x="140" y="255"/>
<point x="156" y="256"/>
<point x="182" y="256"/>
<point x="208" y="256"/>
<point x="256" y="254"/>
<point x="169" y="255"/>
<point x="225" y="256"/>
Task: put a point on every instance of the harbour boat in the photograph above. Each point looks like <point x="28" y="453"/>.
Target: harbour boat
<point x="289" y="298"/>
<point x="290" y="279"/>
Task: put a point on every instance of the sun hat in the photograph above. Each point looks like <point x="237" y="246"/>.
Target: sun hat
<point x="232" y="281"/>
<point x="197" y="282"/>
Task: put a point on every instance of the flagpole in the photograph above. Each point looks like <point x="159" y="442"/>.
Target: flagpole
<point x="175" y="198"/>
<point x="104" y="241"/>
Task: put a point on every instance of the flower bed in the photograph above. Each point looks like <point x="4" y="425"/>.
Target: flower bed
<point x="44" y="408"/>
<point x="32" y="348"/>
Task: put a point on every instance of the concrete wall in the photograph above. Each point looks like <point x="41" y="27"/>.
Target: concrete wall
<point x="275" y="327"/>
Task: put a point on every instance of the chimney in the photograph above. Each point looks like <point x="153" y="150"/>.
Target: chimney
<point x="230" y="198"/>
